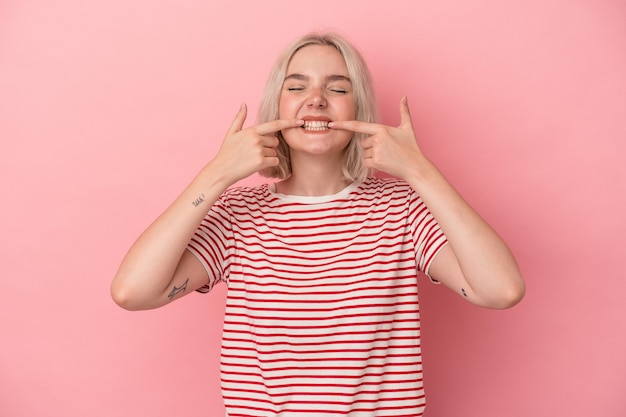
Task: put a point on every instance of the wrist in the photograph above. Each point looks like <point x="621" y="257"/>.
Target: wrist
<point x="421" y="173"/>
<point x="214" y="176"/>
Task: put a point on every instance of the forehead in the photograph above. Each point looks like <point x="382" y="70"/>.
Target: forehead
<point x="314" y="59"/>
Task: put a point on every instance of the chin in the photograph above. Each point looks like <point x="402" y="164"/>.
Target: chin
<point x="317" y="144"/>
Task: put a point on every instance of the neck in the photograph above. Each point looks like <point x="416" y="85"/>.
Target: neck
<point x="314" y="179"/>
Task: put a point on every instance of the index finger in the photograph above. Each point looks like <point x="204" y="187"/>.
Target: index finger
<point x="355" y="126"/>
<point x="274" y="126"/>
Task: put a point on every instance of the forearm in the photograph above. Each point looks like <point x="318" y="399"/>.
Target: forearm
<point x="476" y="257"/>
<point x="156" y="264"/>
<point x="146" y="272"/>
<point x="486" y="263"/>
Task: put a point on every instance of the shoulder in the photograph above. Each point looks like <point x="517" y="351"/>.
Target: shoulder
<point x="259" y="192"/>
<point x="384" y="192"/>
<point x="386" y="185"/>
<point x="244" y="199"/>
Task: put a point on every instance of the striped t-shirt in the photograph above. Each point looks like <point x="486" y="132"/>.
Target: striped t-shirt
<point x="322" y="314"/>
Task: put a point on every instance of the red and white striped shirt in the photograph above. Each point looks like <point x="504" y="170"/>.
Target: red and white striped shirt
<point x="322" y="314"/>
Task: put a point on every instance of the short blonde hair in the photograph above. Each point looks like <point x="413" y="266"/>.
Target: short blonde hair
<point x="363" y="94"/>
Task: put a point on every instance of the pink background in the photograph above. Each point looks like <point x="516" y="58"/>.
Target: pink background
<point x="107" y="110"/>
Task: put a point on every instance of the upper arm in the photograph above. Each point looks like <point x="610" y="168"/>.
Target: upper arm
<point x="488" y="289"/>
<point x="445" y="269"/>
<point x="189" y="276"/>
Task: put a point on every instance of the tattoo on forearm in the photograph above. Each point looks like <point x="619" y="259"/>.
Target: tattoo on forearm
<point x="463" y="292"/>
<point x="177" y="290"/>
<point x="199" y="200"/>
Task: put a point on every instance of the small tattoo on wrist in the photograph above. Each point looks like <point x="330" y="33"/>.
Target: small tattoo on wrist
<point x="463" y="292"/>
<point x="199" y="201"/>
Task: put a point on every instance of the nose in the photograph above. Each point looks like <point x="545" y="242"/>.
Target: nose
<point x="316" y="99"/>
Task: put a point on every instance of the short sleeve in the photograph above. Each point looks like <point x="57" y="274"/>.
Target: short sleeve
<point x="211" y="242"/>
<point x="428" y="237"/>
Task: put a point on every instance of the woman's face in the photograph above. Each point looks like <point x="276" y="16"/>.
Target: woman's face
<point x="318" y="90"/>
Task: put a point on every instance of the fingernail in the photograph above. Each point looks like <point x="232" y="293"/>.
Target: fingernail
<point x="331" y="124"/>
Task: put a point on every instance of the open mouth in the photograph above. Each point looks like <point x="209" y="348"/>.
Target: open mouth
<point x="315" y="125"/>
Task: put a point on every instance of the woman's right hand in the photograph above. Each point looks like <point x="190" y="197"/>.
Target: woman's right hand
<point x="247" y="151"/>
<point x="158" y="269"/>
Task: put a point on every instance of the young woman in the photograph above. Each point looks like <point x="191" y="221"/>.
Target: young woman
<point x="322" y="315"/>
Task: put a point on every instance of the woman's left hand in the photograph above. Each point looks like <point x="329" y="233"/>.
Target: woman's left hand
<point x="393" y="150"/>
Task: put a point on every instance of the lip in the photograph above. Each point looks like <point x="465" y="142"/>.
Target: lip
<point x="316" y="124"/>
<point x="316" y="119"/>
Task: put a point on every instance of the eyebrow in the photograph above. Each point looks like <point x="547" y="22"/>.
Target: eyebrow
<point x="330" y="78"/>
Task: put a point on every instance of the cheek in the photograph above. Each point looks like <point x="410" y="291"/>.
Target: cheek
<point x="281" y="110"/>
<point x="353" y="113"/>
<point x="286" y="108"/>
<point x="348" y="110"/>
<point x="353" y="108"/>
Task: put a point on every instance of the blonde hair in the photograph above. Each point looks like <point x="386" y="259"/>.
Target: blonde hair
<point x="363" y="94"/>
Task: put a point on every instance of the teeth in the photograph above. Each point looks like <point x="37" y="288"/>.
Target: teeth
<point x="315" y="125"/>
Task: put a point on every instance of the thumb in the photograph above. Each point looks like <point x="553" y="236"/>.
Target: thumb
<point x="405" y="114"/>
<point x="240" y="117"/>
